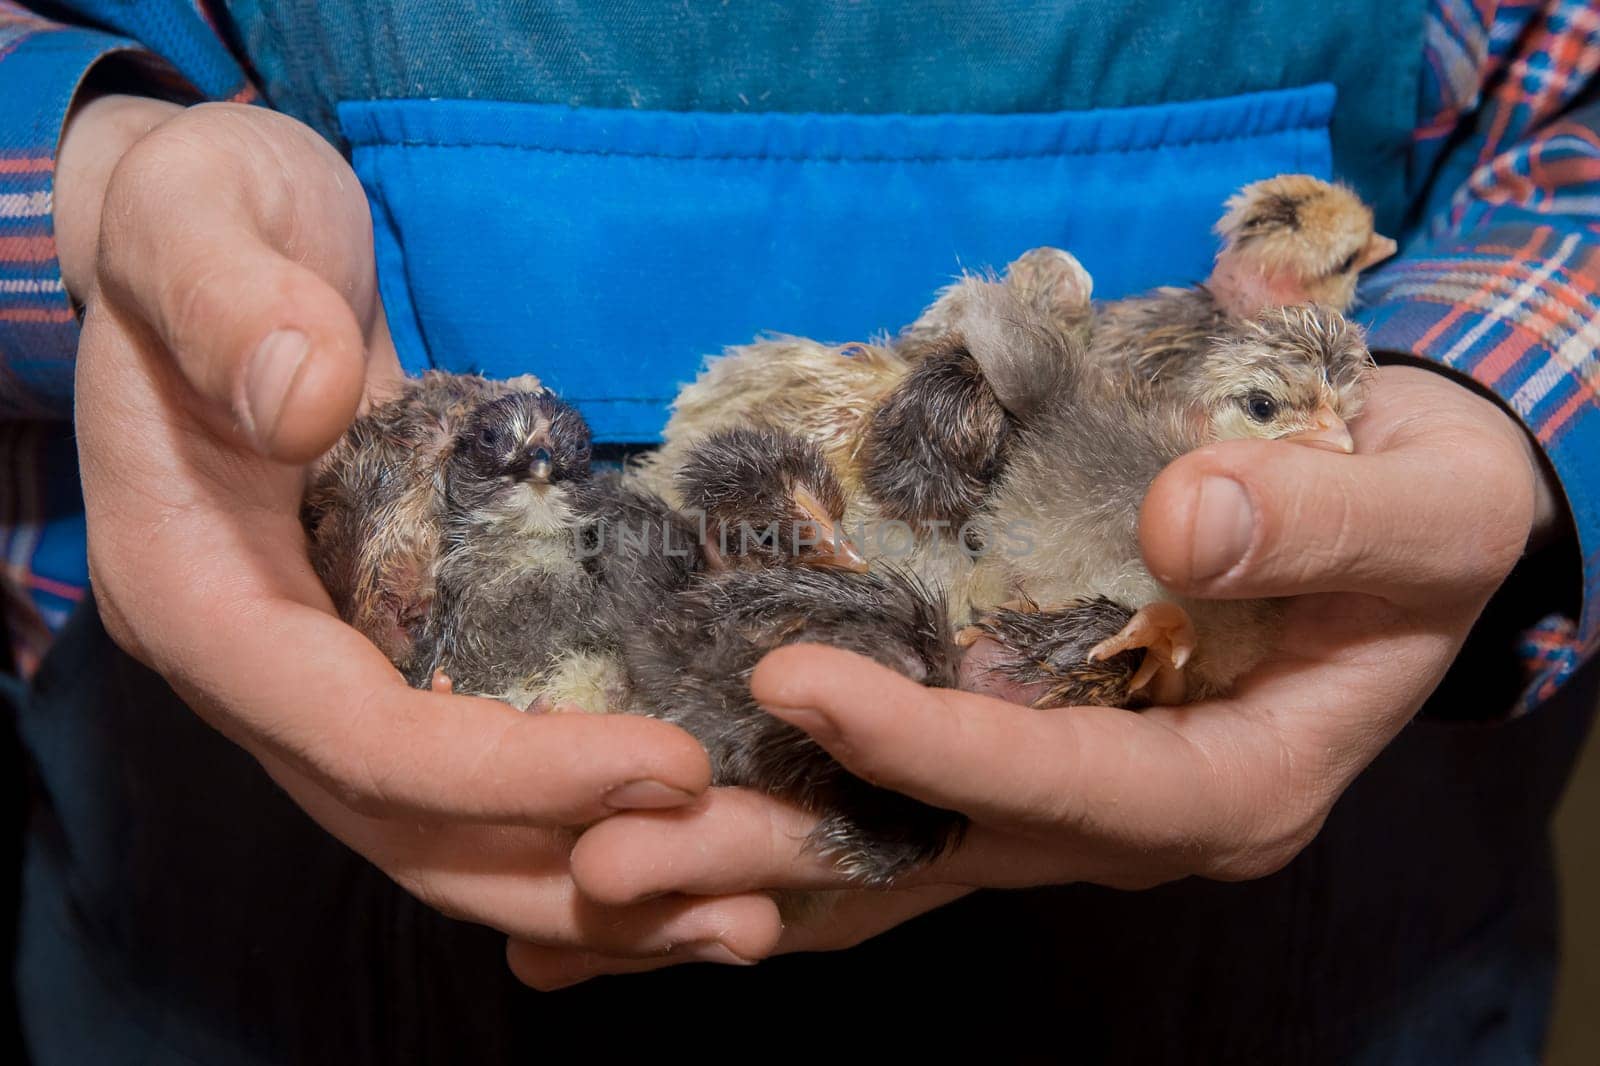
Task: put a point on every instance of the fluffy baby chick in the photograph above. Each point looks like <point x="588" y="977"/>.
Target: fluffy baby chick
<point x="822" y="393"/>
<point x="833" y="395"/>
<point x="934" y="443"/>
<point x="1050" y="280"/>
<point x="374" y="506"/>
<point x="692" y="666"/>
<point x="767" y="498"/>
<point x="512" y="594"/>
<point x="1286" y="241"/>
<point x="1294" y="239"/>
<point x="1064" y="512"/>
<point x="914" y="441"/>
<point x="690" y="661"/>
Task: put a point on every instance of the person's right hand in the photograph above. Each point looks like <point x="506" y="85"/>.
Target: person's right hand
<point x="232" y="330"/>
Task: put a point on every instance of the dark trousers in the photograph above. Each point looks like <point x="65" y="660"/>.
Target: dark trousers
<point x="176" y="907"/>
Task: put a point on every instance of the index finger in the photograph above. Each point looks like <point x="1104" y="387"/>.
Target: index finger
<point x="343" y="715"/>
<point x="1097" y="770"/>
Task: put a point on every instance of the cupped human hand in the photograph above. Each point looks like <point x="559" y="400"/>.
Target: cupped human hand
<point x="232" y="330"/>
<point x="1389" y="554"/>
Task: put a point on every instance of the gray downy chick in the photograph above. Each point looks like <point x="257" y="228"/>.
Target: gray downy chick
<point x="767" y="498"/>
<point x="690" y="662"/>
<point x="513" y="593"/>
<point x="1083" y="457"/>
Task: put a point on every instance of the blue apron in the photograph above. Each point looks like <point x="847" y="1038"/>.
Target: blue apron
<point x="606" y="192"/>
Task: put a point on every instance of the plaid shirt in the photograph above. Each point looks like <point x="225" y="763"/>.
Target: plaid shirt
<point x="1497" y="277"/>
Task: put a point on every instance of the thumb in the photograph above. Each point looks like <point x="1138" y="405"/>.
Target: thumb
<point x="1270" y="518"/>
<point x="272" y="351"/>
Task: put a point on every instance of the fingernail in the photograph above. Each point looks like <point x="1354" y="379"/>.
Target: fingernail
<point x="268" y="380"/>
<point x="646" y="796"/>
<point x="1224" y="526"/>
<point x="714" y="951"/>
<point x="806" y="720"/>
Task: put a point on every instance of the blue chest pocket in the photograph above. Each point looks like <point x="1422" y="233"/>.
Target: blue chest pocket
<point x="610" y="251"/>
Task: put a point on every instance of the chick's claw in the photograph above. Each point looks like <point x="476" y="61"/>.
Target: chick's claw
<point x="1167" y="635"/>
<point x="1039" y="657"/>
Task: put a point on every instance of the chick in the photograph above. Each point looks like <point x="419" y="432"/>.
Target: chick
<point x="1063" y="515"/>
<point x="513" y="597"/>
<point x="830" y="395"/>
<point x="1286" y="241"/>
<point x="767" y="498"/>
<point x="1294" y="239"/>
<point x="822" y="393"/>
<point x="934" y="444"/>
<point x="374" y="506"/>
<point x="639" y="552"/>
<point x="690" y="662"/>
<point x="914" y="432"/>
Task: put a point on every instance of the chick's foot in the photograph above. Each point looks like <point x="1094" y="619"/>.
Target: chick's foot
<point x="1166" y="634"/>
<point x="1040" y="658"/>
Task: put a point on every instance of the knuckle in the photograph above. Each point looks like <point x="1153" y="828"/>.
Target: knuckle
<point x="190" y="306"/>
<point x="599" y="875"/>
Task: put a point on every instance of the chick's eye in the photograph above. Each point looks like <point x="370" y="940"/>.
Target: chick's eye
<point x="1349" y="263"/>
<point x="1260" y="407"/>
<point x="486" y="438"/>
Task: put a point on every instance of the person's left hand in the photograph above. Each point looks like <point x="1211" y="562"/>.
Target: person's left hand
<point x="1390" y="555"/>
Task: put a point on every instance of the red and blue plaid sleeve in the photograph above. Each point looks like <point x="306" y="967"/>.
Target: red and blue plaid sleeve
<point x="1499" y="278"/>
<point x="41" y="66"/>
<point x="174" y="47"/>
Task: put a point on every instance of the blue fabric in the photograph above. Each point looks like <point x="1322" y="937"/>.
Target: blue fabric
<point x="610" y="251"/>
<point x="855" y="57"/>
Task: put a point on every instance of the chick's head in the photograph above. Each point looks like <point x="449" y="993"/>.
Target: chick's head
<point x="768" y="498"/>
<point x="1294" y="239"/>
<point x="522" y="442"/>
<point x="1290" y="373"/>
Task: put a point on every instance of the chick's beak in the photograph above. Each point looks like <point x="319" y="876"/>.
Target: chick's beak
<point x="837" y="552"/>
<point x="1327" y="431"/>
<point x="831" y="548"/>
<point x="539" y="464"/>
<point x="1377" y="250"/>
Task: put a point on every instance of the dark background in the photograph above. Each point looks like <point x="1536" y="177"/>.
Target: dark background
<point x="1575" y="1036"/>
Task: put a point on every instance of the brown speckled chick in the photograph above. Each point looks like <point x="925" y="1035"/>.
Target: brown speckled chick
<point x="374" y="506"/>
<point x="1290" y="240"/>
<point x="821" y="393"/>
<point x="1064" y="513"/>
<point x="689" y="662"/>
